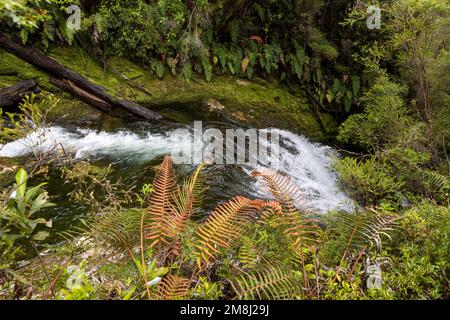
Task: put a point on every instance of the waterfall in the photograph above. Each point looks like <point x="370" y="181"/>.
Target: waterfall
<point x="309" y="164"/>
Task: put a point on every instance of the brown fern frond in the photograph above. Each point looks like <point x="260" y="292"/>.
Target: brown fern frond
<point x="298" y="227"/>
<point x="226" y="224"/>
<point x="196" y="185"/>
<point x="173" y="288"/>
<point x="184" y="200"/>
<point x="296" y="223"/>
<point x="159" y="219"/>
<point x="287" y="193"/>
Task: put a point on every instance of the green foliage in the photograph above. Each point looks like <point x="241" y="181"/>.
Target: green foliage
<point x="18" y="217"/>
<point x="437" y="185"/>
<point x="268" y="282"/>
<point x="368" y="181"/>
<point x="31" y="115"/>
<point x="38" y="19"/>
<point x="77" y="285"/>
<point x="206" y="290"/>
<point x="384" y="117"/>
<point x="420" y="257"/>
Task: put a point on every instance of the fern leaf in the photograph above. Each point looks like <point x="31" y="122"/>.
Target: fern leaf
<point x="184" y="200"/>
<point x="367" y="229"/>
<point x="270" y="282"/>
<point x="437" y="184"/>
<point x="227" y="223"/>
<point x="173" y="288"/>
<point x="297" y="224"/>
<point x="248" y="253"/>
<point x="159" y="223"/>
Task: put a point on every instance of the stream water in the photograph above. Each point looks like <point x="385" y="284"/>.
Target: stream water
<point x="133" y="152"/>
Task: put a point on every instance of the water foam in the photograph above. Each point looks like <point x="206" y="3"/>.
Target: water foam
<point x="308" y="163"/>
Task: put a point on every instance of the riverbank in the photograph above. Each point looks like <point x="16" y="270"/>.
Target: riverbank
<point x="258" y="103"/>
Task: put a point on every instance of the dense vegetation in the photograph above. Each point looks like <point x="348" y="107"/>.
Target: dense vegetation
<point x="387" y="88"/>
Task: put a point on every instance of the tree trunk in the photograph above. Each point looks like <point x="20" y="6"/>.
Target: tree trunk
<point x="74" y="83"/>
<point x="12" y="96"/>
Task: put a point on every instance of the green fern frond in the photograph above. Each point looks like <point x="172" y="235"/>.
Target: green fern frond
<point x="184" y="200"/>
<point x="269" y="282"/>
<point x="368" y="229"/>
<point x="248" y="255"/>
<point x="437" y="184"/>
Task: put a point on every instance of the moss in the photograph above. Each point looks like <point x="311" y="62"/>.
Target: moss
<point x="73" y="111"/>
<point x="256" y="104"/>
<point x="69" y="110"/>
<point x="13" y="69"/>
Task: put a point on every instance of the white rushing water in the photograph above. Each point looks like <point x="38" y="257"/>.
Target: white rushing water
<point x="309" y="164"/>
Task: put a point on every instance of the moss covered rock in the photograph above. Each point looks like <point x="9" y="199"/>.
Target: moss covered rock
<point x="255" y="104"/>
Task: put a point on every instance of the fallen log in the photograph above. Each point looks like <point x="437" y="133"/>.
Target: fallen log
<point x="12" y="96"/>
<point x="77" y="85"/>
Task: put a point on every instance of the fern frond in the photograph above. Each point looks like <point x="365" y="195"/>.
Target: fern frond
<point x="287" y="193"/>
<point x="159" y="220"/>
<point x="115" y="230"/>
<point x="184" y="200"/>
<point x="196" y="184"/>
<point x="367" y="229"/>
<point x="248" y="253"/>
<point x="437" y="184"/>
<point x="296" y="224"/>
<point x="226" y="224"/>
<point x="376" y="227"/>
<point x="270" y="282"/>
<point x="173" y="288"/>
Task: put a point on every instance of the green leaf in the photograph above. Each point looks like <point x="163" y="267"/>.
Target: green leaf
<point x="41" y="236"/>
<point x="347" y="104"/>
<point x="187" y="71"/>
<point x="34" y="223"/>
<point x="250" y="71"/>
<point x="24" y="35"/>
<point x="231" y="67"/>
<point x="40" y="203"/>
<point x="21" y="179"/>
<point x="356" y="85"/>
<point x="329" y="96"/>
<point x="33" y="192"/>
<point x="160" y="69"/>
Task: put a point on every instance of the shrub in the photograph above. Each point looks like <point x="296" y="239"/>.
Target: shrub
<point x="368" y="181"/>
<point x="420" y="256"/>
<point x="384" y="117"/>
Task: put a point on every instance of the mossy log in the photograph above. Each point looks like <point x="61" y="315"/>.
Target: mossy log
<point x="12" y="96"/>
<point x="77" y="85"/>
